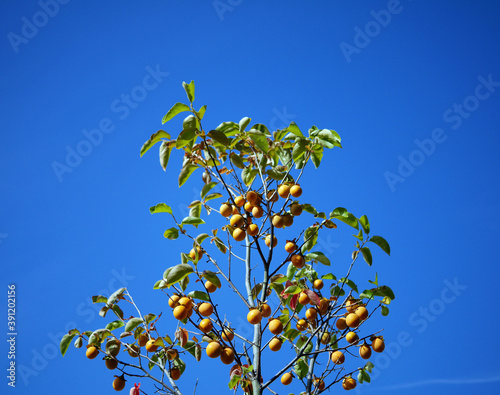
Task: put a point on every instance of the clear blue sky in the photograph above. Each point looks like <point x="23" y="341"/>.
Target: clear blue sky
<point x="412" y="87"/>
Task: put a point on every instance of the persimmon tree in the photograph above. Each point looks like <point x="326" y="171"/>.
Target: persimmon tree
<point x="318" y="320"/>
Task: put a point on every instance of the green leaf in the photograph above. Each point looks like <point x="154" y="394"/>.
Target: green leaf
<point x="115" y="296"/>
<point x="260" y="140"/>
<point x="367" y="255"/>
<point x="220" y="245"/>
<point x="165" y="149"/>
<point x="382" y="243"/>
<point x="310" y="238"/>
<point x="248" y="175"/>
<point x="211" y="196"/>
<point x="199" y="295"/>
<point x="65" y="342"/>
<point x="318" y="256"/>
<point x="329" y="276"/>
<point x="206" y="188"/>
<point x="365" y="224"/>
<point x="186" y="173"/>
<point x="299" y="148"/>
<point x="244" y="123"/>
<point x="177" y="108"/>
<point x="189" y="88"/>
<point x="133" y="323"/>
<point x="234" y="381"/>
<point x="316" y="156"/>
<point x="345" y="216"/>
<point x="367" y="294"/>
<point x="201" y="111"/>
<point x="160" y="208"/>
<point x="384" y="290"/>
<point x="309" y="209"/>
<point x="293" y="128"/>
<point x="300" y="368"/>
<point x="385" y="311"/>
<point x="192" y="221"/>
<point x="195" y="209"/>
<point x="99" y="299"/>
<point x="236" y="160"/>
<point x="177" y="273"/>
<point x="229" y="128"/>
<point x="290" y="273"/>
<point x="171" y="234"/>
<point x="199" y="239"/>
<point x="261" y="128"/>
<point x="115" y="325"/>
<point x="350" y="283"/>
<point x="185" y="137"/>
<point x="363" y="376"/>
<point x="219" y="137"/>
<point x="184" y="283"/>
<point x="155" y="138"/>
<point x="212" y="277"/>
<point x="369" y="366"/>
<point x="293" y="289"/>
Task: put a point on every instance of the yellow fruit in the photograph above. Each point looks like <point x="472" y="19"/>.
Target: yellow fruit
<point x="173" y="300"/>
<point x="290" y="247"/>
<point x="352" y="338"/>
<point x="214" y="349"/>
<point x="268" y="241"/>
<point x="278" y="221"/>
<point x="92" y="352"/>
<point x="257" y="212"/>
<point x="227" y="334"/>
<point x="296" y="209"/>
<point x="275" y="344"/>
<point x="205" y="309"/>
<point x="235" y="210"/>
<point x="134" y="350"/>
<point x="205" y="325"/>
<point x="287" y="220"/>
<point x="296" y="191"/>
<point x="365" y="351"/>
<point x="272" y="195"/>
<point x="275" y="326"/>
<point x="143" y="339"/>
<point x="111" y="363"/>
<point x="226" y="210"/>
<point x="348" y="383"/>
<point x="318" y="284"/>
<point x="325" y="338"/>
<point x="337" y="357"/>
<point x="301" y="325"/>
<point x="210" y="286"/>
<point x="286" y="379"/>
<point x="362" y="313"/>
<point x="303" y="298"/>
<point x="378" y="344"/>
<point x="236" y="221"/>
<point x="320" y="384"/>
<point x="351" y="305"/>
<point x="254" y="316"/>
<point x="180" y="312"/>
<point x="311" y="314"/>
<point x="352" y="320"/>
<point x="323" y="306"/>
<point x="239" y="201"/>
<point x="265" y="310"/>
<point x="172" y="353"/>
<point x="298" y="261"/>
<point x="119" y="384"/>
<point x="186" y="302"/>
<point x="248" y="207"/>
<point x="341" y="324"/>
<point x="253" y="197"/>
<point x="151" y="346"/>
<point x="196" y="254"/>
<point x="284" y="191"/>
<point x="252" y="230"/>
<point x="239" y="234"/>
<point x="227" y="356"/>
<point x="175" y="373"/>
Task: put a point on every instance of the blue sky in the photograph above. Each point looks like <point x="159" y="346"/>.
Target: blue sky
<point x="412" y="87"/>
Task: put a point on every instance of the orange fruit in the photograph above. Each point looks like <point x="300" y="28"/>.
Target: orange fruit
<point x="214" y="349"/>
<point x="210" y="286"/>
<point x="111" y="363"/>
<point x="134" y="350"/>
<point x="205" y="325"/>
<point x="362" y="313"/>
<point x="296" y="209"/>
<point x="254" y="316"/>
<point x="151" y="346"/>
<point x="248" y="207"/>
<point x="195" y="254"/>
<point x="239" y="201"/>
<point x="378" y="344"/>
<point x="143" y="339"/>
<point x="227" y="334"/>
<point x="268" y="241"/>
<point x="296" y="191"/>
<point x="235" y="210"/>
<point x="252" y="230"/>
<point x="286" y="379"/>
<point x="351" y="305"/>
<point x="186" y="302"/>
<point x="298" y="261"/>
<point x="323" y="306"/>
<point x="287" y="220"/>
<point x="236" y="220"/>
<point x="180" y="312"/>
<point x="278" y="221"/>
<point x="275" y="326"/>
<point x="173" y="300"/>
<point x="352" y="320"/>
<point x="239" y="234"/>
<point x="325" y="338"/>
<point x="257" y="212"/>
<point x="311" y="314"/>
<point x="352" y="338"/>
<point x="172" y="353"/>
<point x="365" y="351"/>
<point x="348" y="383"/>
<point x="226" y="210"/>
<point x="175" y="373"/>
<point x="265" y="310"/>
<point x="290" y="247"/>
<point x="301" y="325"/>
<point x="318" y="284"/>
<point x="341" y="324"/>
<point x="253" y="197"/>
<point x="92" y="352"/>
<point x="303" y="298"/>
<point x="283" y="191"/>
<point x="272" y="195"/>
<point x="119" y="383"/>
<point x="320" y="384"/>
<point x="227" y="356"/>
<point x="275" y="344"/>
<point x="205" y="309"/>
<point x="337" y="357"/>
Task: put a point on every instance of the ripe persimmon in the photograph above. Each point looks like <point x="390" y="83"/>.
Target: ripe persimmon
<point x="173" y="300"/>
<point x="205" y="325"/>
<point x="296" y="191"/>
<point x="252" y="230"/>
<point x="227" y="356"/>
<point x="311" y="314"/>
<point x="378" y="344"/>
<point x="205" y="309"/>
<point x="284" y="190"/>
<point x="111" y="363"/>
<point x="352" y="337"/>
<point x="304" y="298"/>
<point x="119" y="383"/>
<point x="239" y="201"/>
<point x="290" y="247"/>
<point x="226" y="210"/>
<point x="275" y="326"/>
<point x="277" y="221"/>
<point x="227" y="334"/>
<point x="365" y="351"/>
<point x="286" y="378"/>
<point x="210" y="286"/>
<point x="318" y="284"/>
<point x="337" y="357"/>
<point x="265" y="310"/>
<point x="275" y="344"/>
<point x="257" y="212"/>
<point x="268" y="241"/>
<point x="341" y="323"/>
<point x="239" y="234"/>
<point x="352" y="320"/>
<point x="348" y="383"/>
<point x="362" y="313"/>
<point x="214" y="349"/>
<point x="92" y="352"/>
<point x="253" y="197"/>
<point x="236" y="220"/>
<point x="298" y="261"/>
<point x="254" y="316"/>
<point x="301" y="325"/>
<point x="295" y="209"/>
<point x="151" y="346"/>
<point x="180" y="312"/>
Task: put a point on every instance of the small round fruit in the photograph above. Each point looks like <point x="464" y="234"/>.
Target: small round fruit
<point x="214" y="349"/>
<point x="227" y="356"/>
<point x="205" y="325"/>
<point x="119" y="383"/>
<point x="286" y="379"/>
<point x="265" y="310"/>
<point x="173" y="300"/>
<point x="301" y="325"/>
<point x="134" y="350"/>
<point x="352" y="320"/>
<point x="325" y="338"/>
<point x="318" y="284"/>
<point x="365" y="351"/>
<point x="210" y="286"/>
<point x="296" y="209"/>
<point x="296" y="191"/>
<point x="257" y="212"/>
<point x="172" y="353"/>
<point x="362" y="313"/>
<point x="111" y="363"/>
<point x="151" y="346"/>
<point x="253" y="197"/>
<point x="175" y="373"/>
<point x="337" y="357"/>
<point x="378" y="344"/>
<point x="252" y="230"/>
<point x="275" y="344"/>
<point x="248" y="207"/>
<point x="180" y="312"/>
<point x="275" y="326"/>
<point x="348" y="383"/>
<point x="290" y="247"/>
<point x="320" y="384"/>
<point x="283" y="191"/>
<point x="298" y="261"/>
<point x="196" y="254"/>
<point x="227" y="334"/>
<point x="92" y="352"/>
<point x="143" y="339"/>
<point x="304" y="298"/>
<point x="235" y="210"/>
<point x="268" y="241"/>
<point x="341" y="323"/>
<point x="239" y="234"/>
<point x="311" y="314"/>
<point x="287" y="220"/>
<point x="205" y="309"/>
<point x="323" y="306"/>
<point x="254" y="316"/>
<point x="272" y="195"/>
<point x="278" y="221"/>
<point x="186" y="302"/>
<point x="236" y="220"/>
<point x="226" y="210"/>
<point x="239" y="201"/>
<point x="351" y="305"/>
<point x="352" y="337"/>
